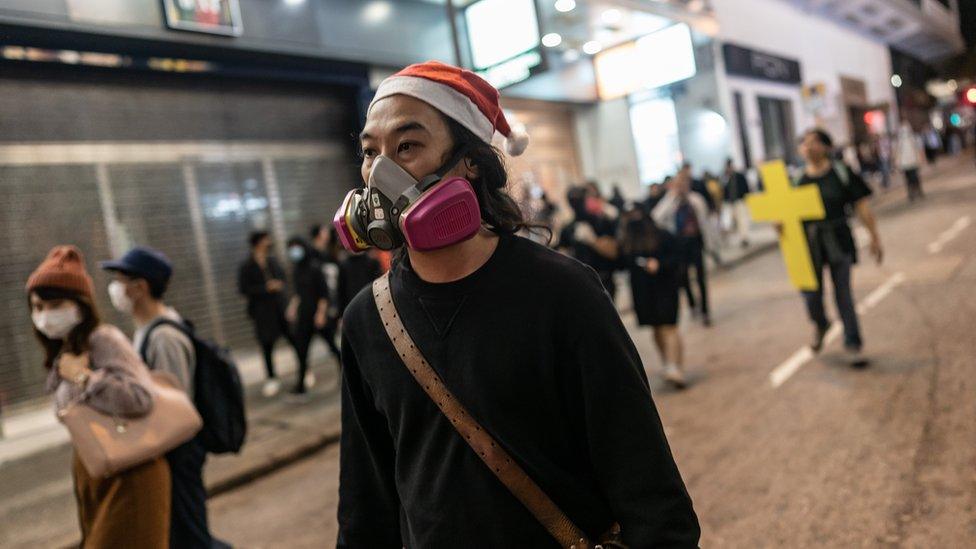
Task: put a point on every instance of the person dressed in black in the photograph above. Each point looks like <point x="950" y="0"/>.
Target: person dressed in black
<point x="525" y="338"/>
<point x="262" y="281"/>
<point x="308" y="310"/>
<point x="736" y="189"/>
<point x="325" y="249"/>
<point x="591" y="236"/>
<point x="356" y="271"/>
<point x="655" y="263"/>
<point x="831" y="241"/>
<point x="684" y="213"/>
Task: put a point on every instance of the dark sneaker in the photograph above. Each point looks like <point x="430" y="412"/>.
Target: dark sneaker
<point x="707" y="321"/>
<point x="855" y="357"/>
<point x="818" y="339"/>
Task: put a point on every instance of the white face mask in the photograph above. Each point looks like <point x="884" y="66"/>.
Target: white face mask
<point x="296" y="253"/>
<point x="57" y="323"/>
<point x="121" y="301"/>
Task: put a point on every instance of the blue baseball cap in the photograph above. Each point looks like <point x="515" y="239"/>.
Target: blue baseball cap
<point x="143" y="262"/>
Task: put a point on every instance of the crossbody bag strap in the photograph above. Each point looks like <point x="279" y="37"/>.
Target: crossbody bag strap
<point x="497" y="459"/>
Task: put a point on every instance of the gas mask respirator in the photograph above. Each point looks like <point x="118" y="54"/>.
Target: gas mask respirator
<point x="395" y="209"/>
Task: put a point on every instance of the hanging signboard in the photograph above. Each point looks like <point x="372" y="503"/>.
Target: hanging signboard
<point x="751" y="63"/>
<point x="207" y="16"/>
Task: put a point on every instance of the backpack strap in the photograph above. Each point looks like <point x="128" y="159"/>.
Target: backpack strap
<point x="184" y="328"/>
<point x="491" y="453"/>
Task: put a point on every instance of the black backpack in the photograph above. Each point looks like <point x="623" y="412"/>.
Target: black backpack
<point x="217" y="391"/>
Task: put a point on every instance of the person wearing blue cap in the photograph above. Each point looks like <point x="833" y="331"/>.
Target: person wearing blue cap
<point x="140" y="280"/>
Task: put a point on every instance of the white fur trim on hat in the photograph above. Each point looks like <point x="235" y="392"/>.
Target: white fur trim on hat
<point x="442" y="97"/>
<point x="517" y="141"/>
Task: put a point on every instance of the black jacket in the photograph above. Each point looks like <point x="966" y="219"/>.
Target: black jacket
<point x="252" y="284"/>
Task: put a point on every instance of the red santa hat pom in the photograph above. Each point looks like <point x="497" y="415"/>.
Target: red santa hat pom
<point x="461" y="95"/>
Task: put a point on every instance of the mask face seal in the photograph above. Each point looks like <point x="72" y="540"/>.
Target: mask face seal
<point x="395" y="209"/>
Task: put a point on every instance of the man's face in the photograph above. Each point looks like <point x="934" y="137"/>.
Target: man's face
<point x="811" y="149"/>
<point x="682" y="183"/>
<point x="135" y="288"/>
<point x="263" y="246"/>
<point x="411" y="133"/>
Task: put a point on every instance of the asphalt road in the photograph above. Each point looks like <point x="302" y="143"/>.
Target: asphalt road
<point x="828" y="456"/>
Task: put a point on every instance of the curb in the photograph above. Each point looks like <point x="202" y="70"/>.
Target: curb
<point x="281" y="461"/>
<point x="753" y="253"/>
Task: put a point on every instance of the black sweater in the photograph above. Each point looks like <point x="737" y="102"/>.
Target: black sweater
<point x="532" y="346"/>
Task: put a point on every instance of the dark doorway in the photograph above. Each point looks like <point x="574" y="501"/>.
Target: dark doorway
<point x="778" y="129"/>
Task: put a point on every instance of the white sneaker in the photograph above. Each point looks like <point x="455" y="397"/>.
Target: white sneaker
<point x="309" y="380"/>
<point x="674" y="375"/>
<point x="271" y="387"/>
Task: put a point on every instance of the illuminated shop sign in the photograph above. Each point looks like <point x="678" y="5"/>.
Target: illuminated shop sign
<point x="504" y="41"/>
<point x="207" y="16"/>
<point x="658" y="59"/>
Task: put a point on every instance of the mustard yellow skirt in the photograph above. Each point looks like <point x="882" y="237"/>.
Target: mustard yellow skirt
<point x="128" y="510"/>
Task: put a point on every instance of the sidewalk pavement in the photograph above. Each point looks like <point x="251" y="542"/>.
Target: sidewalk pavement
<point x="280" y="431"/>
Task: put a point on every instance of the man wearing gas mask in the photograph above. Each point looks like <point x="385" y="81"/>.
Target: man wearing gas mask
<point x="491" y="395"/>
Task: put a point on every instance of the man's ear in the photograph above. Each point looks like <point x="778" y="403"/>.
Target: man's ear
<point x="470" y="169"/>
<point x="143" y="285"/>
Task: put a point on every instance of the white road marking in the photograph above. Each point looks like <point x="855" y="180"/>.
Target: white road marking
<point x="952" y="232"/>
<point x="802" y="356"/>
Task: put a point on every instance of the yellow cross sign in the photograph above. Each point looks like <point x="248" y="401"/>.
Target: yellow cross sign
<point x="790" y="206"/>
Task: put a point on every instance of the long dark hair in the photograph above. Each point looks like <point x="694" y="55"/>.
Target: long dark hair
<point x="639" y="235"/>
<point x="77" y="340"/>
<point x="498" y="210"/>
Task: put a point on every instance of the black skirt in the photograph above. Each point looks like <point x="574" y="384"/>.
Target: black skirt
<point x="655" y="296"/>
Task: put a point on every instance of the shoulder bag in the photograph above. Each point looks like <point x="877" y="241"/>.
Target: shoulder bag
<point x="109" y="444"/>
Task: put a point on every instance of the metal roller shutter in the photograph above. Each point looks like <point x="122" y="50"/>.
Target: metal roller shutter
<point x="187" y="164"/>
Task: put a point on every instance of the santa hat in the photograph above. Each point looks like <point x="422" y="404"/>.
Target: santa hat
<point x="461" y="95"/>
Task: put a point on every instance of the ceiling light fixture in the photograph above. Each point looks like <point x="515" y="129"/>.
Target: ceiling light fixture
<point x="552" y="40"/>
<point x="565" y="5"/>
<point x="592" y="47"/>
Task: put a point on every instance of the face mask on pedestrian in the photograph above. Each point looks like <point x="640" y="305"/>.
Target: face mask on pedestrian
<point x="120" y="299"/>
<point x="296" y="253"/>
<point x="396" y="209"/>
<point x="57" y="323"/>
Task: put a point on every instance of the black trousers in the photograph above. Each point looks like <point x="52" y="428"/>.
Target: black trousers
<point x="914" y="184"/>
<point x="188" y="521"/>
<point x="269" y="326"/>
<point x="694" y="253"/>
<point x="840" y="275"/>
<point x="304" y="332"/>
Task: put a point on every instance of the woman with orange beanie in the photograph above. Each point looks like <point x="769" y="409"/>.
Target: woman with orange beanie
<point x="94" y="364"/>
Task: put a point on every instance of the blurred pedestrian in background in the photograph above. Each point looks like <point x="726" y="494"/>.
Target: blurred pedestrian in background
<point x="262" y="281"/>
<point x="93" y="364"/>
<point x="831" y="241"/>
<point x="309" y="306"/>
<point x="140" y="280"/>
<point x="356" y="271"/>
<point x="655" y="263"/>
<point x="325" y="247"/>
<point x="908" y="159"/>
<point x="655" y="193"/>
<point x="736" y="189"/>
<point x="684" y="213"/>
<point x="591" y="236"/>
<point x="617" y="199"/>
